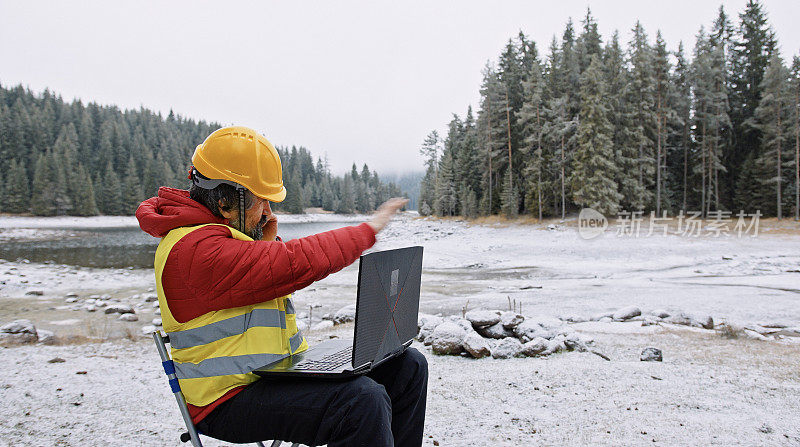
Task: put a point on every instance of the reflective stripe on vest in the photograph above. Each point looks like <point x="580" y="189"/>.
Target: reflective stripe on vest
<point x="229" y="327"/>
<point x="218" y="351"/>
<point x="239" y="364"/>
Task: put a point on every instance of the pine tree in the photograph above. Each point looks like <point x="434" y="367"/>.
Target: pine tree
<point x="468" y="161"/>
<point x="510" y="197"/>
<point x="621" y="101"/>
<point x="754" y="44"/>
<point x="595" y="170"/>
<point x="346" y="203"/>
<point x="132" y="193"/>
<point x="446" y="198"/>
<point x="430" y="152"/>
<point x="641" y="94"/>
<point x="680" y="135"/>
<point x="111" y="192"/>
<point x="711" y="118"/>
<point x="772" y="118"/>
<point x="530" y="118"/>
<point x="469" y="202"/>
<point x="84" y="196"/>
<point x="294" y="196"/>
<point x="589" y="42"/>
<point x="663" y="112"/>
<point x="795" y="88"/>
<point x="491" y="133"/>
<point x="43" y="196"/>
<point x="17" y="197"/>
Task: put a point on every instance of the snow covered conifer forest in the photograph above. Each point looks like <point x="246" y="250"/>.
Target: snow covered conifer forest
<point x="69" y="158"/>
<point x="590" y="121"/>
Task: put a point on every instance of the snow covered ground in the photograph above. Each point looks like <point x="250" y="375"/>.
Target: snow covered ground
<point x="708" y="390"/>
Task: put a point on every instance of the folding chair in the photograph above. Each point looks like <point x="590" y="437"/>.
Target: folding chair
<point x="169" y="369"/>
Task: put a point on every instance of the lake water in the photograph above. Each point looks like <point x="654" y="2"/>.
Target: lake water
<point x="119" y="247"/>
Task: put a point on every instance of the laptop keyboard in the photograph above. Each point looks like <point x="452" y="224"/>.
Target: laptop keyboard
<point x="327" y="363"/>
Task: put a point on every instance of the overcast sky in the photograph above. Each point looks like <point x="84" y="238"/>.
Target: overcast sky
<point x="360" y="81"/>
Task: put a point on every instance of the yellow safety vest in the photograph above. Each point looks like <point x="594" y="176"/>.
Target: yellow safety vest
<point x="218" y="351"/>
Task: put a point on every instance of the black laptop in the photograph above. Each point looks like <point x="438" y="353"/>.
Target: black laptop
<point x="387" y="305"/>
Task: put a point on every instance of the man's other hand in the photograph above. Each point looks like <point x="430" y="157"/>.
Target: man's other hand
<point x="385" y="213"/>
<point x="270" y="228"/>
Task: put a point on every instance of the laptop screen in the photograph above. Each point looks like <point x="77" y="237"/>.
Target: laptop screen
<point x="387" y="304"/>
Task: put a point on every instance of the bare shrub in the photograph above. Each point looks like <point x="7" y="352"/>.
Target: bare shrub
<point x="729" y="330"/>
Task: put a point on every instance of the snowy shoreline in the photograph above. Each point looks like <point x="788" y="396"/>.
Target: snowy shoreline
<point x="555" y="273"/>
<point x="76" y="222"/>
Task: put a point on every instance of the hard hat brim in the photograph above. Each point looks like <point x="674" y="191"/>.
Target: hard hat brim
<point x="274" y="197"/>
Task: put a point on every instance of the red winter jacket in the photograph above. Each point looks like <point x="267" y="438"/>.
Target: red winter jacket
<point x="210" y="270"/>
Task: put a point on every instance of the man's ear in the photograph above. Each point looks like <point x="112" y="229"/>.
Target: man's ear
<point x="226" y="214"/>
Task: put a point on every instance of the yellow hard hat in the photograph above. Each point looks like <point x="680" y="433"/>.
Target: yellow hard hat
<point x="242" y="156"/>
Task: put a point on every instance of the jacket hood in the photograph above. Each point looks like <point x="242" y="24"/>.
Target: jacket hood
<point x="172" y="208"/>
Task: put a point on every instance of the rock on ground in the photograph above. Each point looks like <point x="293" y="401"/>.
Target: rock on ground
<point x="532" y="327"/>
<point x="626" y="313"/>
<point x="447" y="338"/>
<point x="649" y="322"/>
<point x="345" y="314"/>
<point x="555" y="345"/>
<point x="482" y="317"/>
<point x="510" y="320"/>
<point x="426" y="324"/>
<point x="507" y="348"/>
<point x="46" y="337"/>
<point x="118" y="309"/>
<point x="574" y="342"/>
<point x="535" y="347"/>
<point x="684" y="319"/>
<point x="651" y="355"/>
<point x="128" y="317"/>
<point x="660" y="313"/>
<point x="18" y="331"/>
<point x="476" y="345"/>
<point x="600" y="316"/>
<point x="495" y="331"/>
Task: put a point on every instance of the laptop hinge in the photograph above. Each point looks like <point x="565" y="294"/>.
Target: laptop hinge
<point x="367" y="366"/>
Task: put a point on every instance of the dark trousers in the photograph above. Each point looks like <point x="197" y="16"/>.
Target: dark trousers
<point x="385" y="407"/>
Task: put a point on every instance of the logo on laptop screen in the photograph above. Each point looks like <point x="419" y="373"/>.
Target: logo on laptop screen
<point x="395" y="280"/>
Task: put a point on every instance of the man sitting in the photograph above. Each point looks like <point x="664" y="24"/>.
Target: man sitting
<point x="224" y="281"/>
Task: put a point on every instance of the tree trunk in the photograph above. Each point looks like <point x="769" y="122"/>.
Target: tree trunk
<point x="797" y="153"/>
<point x="780" y="143"/>
<point x="658" y="153"/>
<point x="714" y="166"/>
<point x="685" y="161"/>
<point x="703" y="165"/>
<point x="508" y="125"/>
<point x="563" y="180"/>
<point x="539" y="170"/>
<point x="489" y="131"/>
